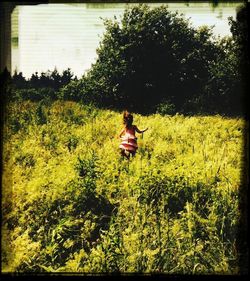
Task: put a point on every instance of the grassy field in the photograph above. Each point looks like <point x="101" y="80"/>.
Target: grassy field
<point x="71" y="204"/>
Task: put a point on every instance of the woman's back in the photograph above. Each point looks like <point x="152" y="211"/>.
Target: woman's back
<point x="130" y="132"/>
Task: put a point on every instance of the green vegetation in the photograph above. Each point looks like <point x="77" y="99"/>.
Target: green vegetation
<point x="153" y="60"/>
<point x="71" y="204"/>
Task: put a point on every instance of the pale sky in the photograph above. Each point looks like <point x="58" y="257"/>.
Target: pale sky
<point x="67" y="35"/>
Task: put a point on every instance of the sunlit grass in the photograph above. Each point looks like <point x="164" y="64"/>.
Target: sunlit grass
<point x="71" y="204"/>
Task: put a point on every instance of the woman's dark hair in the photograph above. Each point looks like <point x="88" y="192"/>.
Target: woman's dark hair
<point x="127" y="119"/>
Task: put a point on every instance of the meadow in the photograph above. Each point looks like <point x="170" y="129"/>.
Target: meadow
<point x="70" y="203"/>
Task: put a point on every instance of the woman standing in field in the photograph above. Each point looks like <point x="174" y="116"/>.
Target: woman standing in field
<point x="129" y="140"/>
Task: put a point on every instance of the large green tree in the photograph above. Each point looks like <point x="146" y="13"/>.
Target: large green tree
<point x="150" y="56"/>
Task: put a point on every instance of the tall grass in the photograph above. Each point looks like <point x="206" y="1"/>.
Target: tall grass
<point x="72" y="204"/>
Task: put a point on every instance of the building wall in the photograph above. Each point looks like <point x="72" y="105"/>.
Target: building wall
<point x="5" y="35"/>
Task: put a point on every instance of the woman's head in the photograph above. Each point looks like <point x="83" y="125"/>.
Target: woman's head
<point x="127" y="119"/>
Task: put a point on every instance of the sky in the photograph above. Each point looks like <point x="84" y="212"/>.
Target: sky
<point x="67" y="35"/>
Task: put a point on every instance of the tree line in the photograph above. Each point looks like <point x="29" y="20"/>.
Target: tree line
<point x="154" y="60"/>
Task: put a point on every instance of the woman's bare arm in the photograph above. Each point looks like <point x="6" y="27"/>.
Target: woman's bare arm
<point x="121" y="133"/>
<point x="140" y="131"/>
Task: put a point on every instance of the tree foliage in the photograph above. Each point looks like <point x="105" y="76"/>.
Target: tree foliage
<point x="150" y="56"/>
<point x="45" y="86"/>
<point x="49" y="79"/>
<point x="226" y="88"/>
<point x="153" y="60"/>
<point x="239" y="30"/>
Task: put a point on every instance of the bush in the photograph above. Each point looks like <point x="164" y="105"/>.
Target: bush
<point x="166" y="108"/>
<point x="33" y="94"/>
